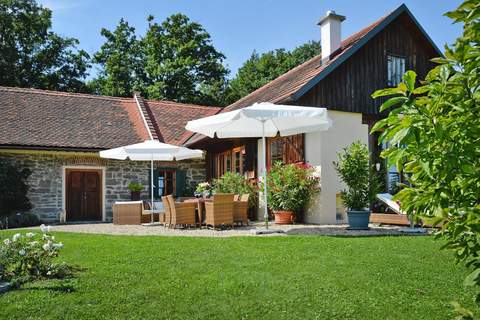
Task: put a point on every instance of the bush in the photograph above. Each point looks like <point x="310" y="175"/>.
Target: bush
<point x="291" y="187"/>
<point x="21" y="220"/>
<point x="28" y="257"/>
<point x="353" y="168"/>
<point x="235" y="183"/>
<point x="13" y="189"/>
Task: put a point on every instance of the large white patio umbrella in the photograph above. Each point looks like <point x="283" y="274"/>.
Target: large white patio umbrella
<point x="262" y="120"/>
<point x="151" y="150"/>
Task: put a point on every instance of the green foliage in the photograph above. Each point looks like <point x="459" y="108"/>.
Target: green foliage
<point x="434" y="131"/>
<point x="13" y="189"/>
<point x="390" y="277"/>
<point x="33" y="56"/>
<point x="181" y="62"/>
<point x="291" y="187"/>
<point x="354" y="169"/>
<point x="175" y="60"/>
<point x="20" y="220"/>
<point x="30" y="257"/>
<point x="235" y="183"/>
<point x="120" y="61"/>
<point x="203" y="189"/>
<point x="135" y="186"/>
<point x="261" y="69"/>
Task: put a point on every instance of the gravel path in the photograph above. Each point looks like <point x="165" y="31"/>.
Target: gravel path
<point x="157" y="230"/>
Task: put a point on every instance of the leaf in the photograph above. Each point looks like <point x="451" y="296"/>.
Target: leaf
<point x="421" y="90"/>
<point x="468" y="169"/>
<point x="386" y="92"/>
<point x="409" y="79"/>
<point x="473" y="278"/>
<point x="379" y="125"/>
<point x="391" y="102"/>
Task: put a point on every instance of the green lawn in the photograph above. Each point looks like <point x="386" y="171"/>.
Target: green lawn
<point x="247" y="278"/>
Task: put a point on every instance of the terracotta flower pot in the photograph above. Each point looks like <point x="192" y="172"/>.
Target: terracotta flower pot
<point x="284" y="217"/>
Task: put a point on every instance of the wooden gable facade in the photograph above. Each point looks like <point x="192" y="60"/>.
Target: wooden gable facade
<point x="344" y="84"/>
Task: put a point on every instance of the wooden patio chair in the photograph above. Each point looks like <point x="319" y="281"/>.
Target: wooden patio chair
<point x="219" y="211"/>
<point x="240" y="210"/>
<point x="181" y="213"/>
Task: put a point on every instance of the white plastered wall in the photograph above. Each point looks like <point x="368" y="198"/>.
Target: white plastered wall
<point x="321" y="150"/>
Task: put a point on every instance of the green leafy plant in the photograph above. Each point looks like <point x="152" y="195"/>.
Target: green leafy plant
<point x="28" y="257"/>
<point x="354" y="169"/>
<point x="13" y="190"/>
<point x="135" y="187"/>
<point x="434" y="131"/>
<point x="237" y="184"/>
<point x="203" y="189"/>
<point x="291" y="187"/>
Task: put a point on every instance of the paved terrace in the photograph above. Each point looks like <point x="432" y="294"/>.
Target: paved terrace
<point x="283" y="230"/>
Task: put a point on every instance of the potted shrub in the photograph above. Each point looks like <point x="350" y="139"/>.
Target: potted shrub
<point x="135" y="190"/>
<point x="290" y="188"/>
<point x="353" y="168"/>
<point x="232" y="182"/>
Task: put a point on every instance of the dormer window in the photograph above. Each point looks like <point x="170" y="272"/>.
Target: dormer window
<point x="396" y="69"/>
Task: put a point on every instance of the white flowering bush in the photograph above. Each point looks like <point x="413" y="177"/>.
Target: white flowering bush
<point x="31" y="256"/>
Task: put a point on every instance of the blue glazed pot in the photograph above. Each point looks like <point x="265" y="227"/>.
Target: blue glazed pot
<point x="358" y="220"/>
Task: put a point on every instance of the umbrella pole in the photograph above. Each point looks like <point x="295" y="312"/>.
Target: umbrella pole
<point x="151" y="188"/>
<point x="264" y="156"/>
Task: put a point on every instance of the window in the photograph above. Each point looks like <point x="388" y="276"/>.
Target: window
<point x="396" y="69"/>
<point x="165" y="183"/>
<point x="233" y="160"/>
<point x="285" y="149"/>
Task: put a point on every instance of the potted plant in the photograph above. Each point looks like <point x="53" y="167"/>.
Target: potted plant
<point x="353" y="168"/>
<point x="135" y="190"/>
<point x="203" y="190"/>
<point x="290" y="188"/>
<point x="232" y="182"/>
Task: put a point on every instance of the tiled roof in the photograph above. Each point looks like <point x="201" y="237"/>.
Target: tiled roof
<point x="171" y="118"/>
<point x="281" y="89"/>
<point x="39" y="118"/>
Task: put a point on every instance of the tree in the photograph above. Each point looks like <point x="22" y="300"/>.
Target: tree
<point x="33" y="56"/>
<point x="13" y="190"/>
<point x="181" y="63"/>
<point x="433" y="131"/>
<point x="261" y="69"/>
<point x="121" y="62"/>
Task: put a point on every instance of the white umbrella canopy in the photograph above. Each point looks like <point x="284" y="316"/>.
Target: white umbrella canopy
<point x="263" y="120"/>
<point x="151" y="150"/>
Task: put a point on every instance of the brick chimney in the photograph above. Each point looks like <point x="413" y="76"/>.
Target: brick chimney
<point x="331" y="33"/>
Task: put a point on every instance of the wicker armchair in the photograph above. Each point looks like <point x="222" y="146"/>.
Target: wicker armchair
<point x="131" y="212"/>
<point x="219" y="211"/>
<point x="240" y="210"/>
<point x="181" y="213"/>
<point x="168" y="214"/>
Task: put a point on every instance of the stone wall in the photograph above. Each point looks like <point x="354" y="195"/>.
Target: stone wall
<point x="46" y="180"/>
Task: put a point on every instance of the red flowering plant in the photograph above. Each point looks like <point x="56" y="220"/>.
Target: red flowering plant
<point x="291" y="186"/>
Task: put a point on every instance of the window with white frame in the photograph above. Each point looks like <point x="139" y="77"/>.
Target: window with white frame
<point x="396" y="69"/>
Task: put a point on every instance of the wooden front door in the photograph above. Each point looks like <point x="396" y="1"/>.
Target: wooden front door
<point x="83" y="195"/>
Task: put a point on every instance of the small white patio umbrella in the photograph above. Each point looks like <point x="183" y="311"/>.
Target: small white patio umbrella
<point x="262" y="120"/>
<point x="151" y="150"/>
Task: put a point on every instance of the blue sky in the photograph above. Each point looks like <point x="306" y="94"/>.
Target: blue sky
<point x="239" y="27"/>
